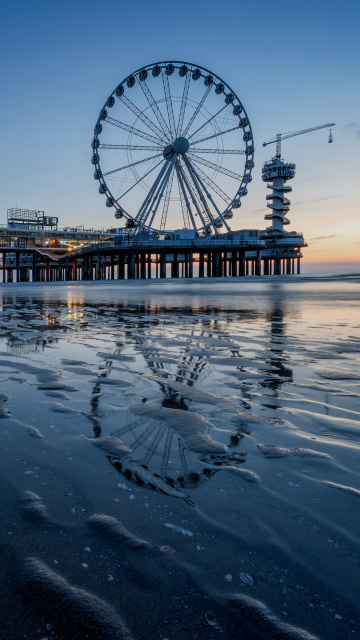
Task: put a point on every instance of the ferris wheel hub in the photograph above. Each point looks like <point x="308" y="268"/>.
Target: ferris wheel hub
<point x="181" y="145"/>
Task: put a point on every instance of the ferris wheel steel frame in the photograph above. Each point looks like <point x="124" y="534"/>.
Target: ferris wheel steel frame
<point x="175" y="151"/>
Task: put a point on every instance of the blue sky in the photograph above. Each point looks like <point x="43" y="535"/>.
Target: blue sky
<point x="294" y="65"/>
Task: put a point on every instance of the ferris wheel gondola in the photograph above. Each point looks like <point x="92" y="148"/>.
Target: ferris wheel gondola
<point x="173" y="139"/>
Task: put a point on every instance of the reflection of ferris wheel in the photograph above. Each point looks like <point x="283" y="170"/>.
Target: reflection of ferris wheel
<point x="168" y="139"/>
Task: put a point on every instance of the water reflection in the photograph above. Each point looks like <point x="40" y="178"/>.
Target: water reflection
<point x="195" y="358"/>
<point x="23" y="346"/>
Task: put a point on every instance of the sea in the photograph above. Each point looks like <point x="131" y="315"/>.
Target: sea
<point x="180" y="459"/>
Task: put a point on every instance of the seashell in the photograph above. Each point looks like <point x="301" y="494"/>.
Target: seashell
<point x="246" y="579"/>
<point x="167" y="549"/>
<point x="207" y="621"/>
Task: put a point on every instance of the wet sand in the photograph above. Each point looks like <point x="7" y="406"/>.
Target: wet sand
<point x="180" y="459"/>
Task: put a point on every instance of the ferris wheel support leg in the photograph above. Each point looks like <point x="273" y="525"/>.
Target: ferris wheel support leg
<point x="258" y="263"/>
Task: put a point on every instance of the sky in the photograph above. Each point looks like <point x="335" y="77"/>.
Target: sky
<point x="294" y="65"/>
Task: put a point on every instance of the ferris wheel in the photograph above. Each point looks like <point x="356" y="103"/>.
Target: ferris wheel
<point x="173" y="148"/>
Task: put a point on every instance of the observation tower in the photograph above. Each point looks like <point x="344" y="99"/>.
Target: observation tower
<point x="276" y="173"/>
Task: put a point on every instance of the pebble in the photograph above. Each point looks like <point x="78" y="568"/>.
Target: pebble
<point x="337" y="616"/>
<point x="228" y="577"/>
<point x="83" y="564"/>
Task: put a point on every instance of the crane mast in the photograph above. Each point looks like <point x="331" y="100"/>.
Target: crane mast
<point x="284" y="136"/>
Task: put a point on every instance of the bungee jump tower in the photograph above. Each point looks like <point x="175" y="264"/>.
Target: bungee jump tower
<point x="283" y="246"/>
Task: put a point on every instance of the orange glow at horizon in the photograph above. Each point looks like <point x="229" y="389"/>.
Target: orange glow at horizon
<point x="332" y="251"/>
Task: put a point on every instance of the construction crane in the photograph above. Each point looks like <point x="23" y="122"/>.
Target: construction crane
<point x="283" y="136"/>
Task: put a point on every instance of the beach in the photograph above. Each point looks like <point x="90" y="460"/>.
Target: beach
<point x="180" y="458"/>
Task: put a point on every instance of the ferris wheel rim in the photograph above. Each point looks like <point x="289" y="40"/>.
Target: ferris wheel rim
<point x="192" y="166"/>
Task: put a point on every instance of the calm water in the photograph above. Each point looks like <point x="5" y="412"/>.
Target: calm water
<point x="216" y="421"/>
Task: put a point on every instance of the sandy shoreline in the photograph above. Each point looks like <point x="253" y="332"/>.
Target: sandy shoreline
<point x="227" y="431"/>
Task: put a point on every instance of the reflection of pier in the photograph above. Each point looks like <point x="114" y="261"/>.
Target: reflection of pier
<point x="21" y="346"/>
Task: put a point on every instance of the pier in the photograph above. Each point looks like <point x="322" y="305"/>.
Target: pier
<point x="130" y="258"/>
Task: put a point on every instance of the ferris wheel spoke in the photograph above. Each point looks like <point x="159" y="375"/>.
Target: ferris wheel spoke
<point x="154" y="444"/>
<point x="132" y="164"/>
<point x="130" y="147"/>
<point x="130" y="105"/>
<point x="201" y="190"/>
<point x="184" y="209"/>
<point x="166" y="202"/>
<point x="212" y="184"/>
<point x="214" y="135"/>
<point x="169" y="105"/>
<point x="142" y="211"/>
<point x="136" y="132"/>
<point x="194" y="115"/>
<point x="162" y="189"/>
<point x="192" y="195"/>
<point x="216" y="167"/>
<point x="185" y="204"/>
<point x="155" y="109"/>
<point x="221" y="151"/>
<point x="209" y="120"/>
<point x="208" y="194"/>
<point x="196" y="196"/>
<point x="166" y="454"/>
<point x="140" y="179"/>
<point x="183" y="103"/>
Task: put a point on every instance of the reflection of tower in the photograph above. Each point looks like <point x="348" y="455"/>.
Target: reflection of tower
<point x="277" y="172"/>
<point x="277" y="330"/>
